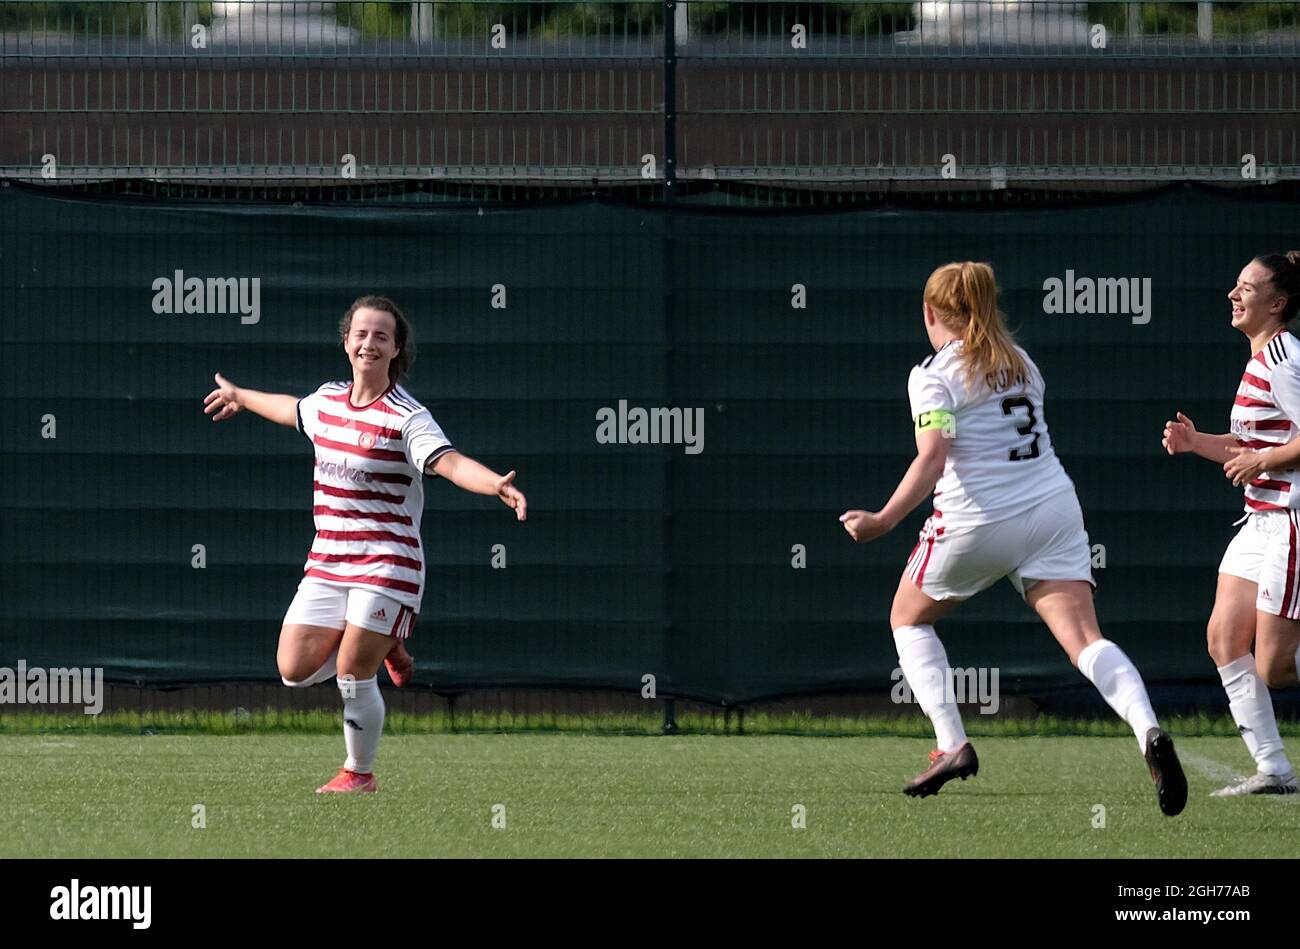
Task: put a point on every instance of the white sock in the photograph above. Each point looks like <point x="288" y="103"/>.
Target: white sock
<point x="1116" y="678"/>
<point x="363" y="722"/>
<point x="925" y="666"/>
<point x="327" y="671"/>
<point x="1252" y="710"/>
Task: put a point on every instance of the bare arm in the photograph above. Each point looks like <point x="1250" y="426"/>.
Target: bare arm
<point x="1283" y="457"/>
<point x="916" y="485"/>
<point x="1246" y="464"/>
<point x="1216" y="448"/>
<point x="466" y="473"/>
<point x="227" y="399"/>
<point x="1181" y="436"/>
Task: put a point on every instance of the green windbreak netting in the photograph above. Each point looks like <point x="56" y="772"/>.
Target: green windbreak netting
<point x="723" y="572"/>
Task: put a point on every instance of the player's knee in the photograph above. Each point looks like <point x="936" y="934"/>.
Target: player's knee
<point x="900" y="616"/>
<point x="293" y="674"/>
<point x="1221" y="642"/>
<point x="1214" y="646"/>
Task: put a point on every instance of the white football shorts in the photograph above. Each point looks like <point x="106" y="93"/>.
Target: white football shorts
<point x="1265" y="553"/>
<point x="324" y="604"/>
<point x="1044" y="542"/>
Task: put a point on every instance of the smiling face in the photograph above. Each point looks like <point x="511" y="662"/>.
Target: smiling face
<point x="1256" y="304"/>
<point x="371" y="342"/>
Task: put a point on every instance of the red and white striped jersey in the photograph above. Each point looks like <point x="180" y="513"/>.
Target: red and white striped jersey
<point x="1265" y="413"/>
<point x="368" y="493"/>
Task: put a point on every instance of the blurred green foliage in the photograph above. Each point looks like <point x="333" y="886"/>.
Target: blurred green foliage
<point x="863" y="19"/>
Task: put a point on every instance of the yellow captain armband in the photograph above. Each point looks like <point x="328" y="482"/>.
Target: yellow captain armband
<point x="937" y="418"/>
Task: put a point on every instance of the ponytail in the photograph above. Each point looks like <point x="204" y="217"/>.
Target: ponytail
<point x="964" y="296"/>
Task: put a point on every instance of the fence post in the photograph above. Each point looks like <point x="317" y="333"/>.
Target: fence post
<point x="670" y="97"/>
<point x="670" y="718"/>
<point x="669" y="280"/>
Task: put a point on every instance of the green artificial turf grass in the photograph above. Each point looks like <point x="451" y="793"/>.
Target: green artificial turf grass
<point x="87" y="795"/>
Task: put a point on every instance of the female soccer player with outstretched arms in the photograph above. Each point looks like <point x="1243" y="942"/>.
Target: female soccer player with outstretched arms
<point x="364" y="578"/>
<point x="1257" y="600"/>
<point x="1004" y="507"/>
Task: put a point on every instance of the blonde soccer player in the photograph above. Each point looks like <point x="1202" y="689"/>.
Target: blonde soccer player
<point x="364" y="577"/>
<point x="1257" y="599"/>
<point x="1003" y="507"/>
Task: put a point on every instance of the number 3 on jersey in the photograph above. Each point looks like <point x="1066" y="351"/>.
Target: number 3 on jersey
<point x="1009" y="407"/>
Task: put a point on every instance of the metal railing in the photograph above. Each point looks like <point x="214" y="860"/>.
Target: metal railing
<point x="839" y="95"/>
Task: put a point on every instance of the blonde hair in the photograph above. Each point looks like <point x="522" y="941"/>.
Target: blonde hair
<point x="964" y="297"/>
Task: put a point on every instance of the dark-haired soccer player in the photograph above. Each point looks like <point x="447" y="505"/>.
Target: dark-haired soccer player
<point x="364" y="578"/>
<point x="1257" y="600"/>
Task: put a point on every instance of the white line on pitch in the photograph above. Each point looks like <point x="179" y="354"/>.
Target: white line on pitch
<point x="1221" y="773"/>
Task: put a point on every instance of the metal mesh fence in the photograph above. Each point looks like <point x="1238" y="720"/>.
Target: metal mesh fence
<point x="563" y="96"/>
<point x="735" y="103"/>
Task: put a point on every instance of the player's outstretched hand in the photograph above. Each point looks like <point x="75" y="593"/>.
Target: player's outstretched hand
<point x="864" y="526"/>
<point x="1245" y="465"/>
<point x="223" y="400"/>
<point x="512" y="497"/>
<point x="1178" y="435"/>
